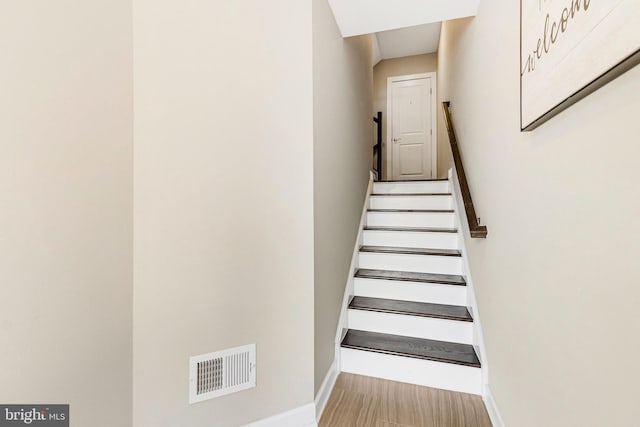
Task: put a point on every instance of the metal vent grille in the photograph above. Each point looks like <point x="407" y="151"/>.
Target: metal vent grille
<point x="223" y="372"/>
<point x="210" y="375"/>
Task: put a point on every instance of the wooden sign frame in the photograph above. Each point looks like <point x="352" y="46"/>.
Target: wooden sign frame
<point x="571" y="48"/>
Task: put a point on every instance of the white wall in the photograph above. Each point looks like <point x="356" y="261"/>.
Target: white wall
<point x="342" y="149"/>
<point x="223" y="195"/>
<point x="65" y="207"/>
<point x="557" y="278"/>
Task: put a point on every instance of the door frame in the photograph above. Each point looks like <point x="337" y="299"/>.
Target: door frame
<point x="434" y="121"/>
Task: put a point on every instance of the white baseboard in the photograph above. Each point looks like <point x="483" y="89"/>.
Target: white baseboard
<point x="325" y="389"/>
<point x="492" y="408"/>
<point x="304" y="416"/>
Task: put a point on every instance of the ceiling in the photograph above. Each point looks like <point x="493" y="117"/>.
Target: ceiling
<point x="402" y="27"/>
<point x="408" y="41"/>
<point x="356" y="17"/>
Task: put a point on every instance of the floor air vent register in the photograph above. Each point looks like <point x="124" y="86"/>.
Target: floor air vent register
<point x="223" y="372"/>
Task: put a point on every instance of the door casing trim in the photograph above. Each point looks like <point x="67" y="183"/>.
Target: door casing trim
<point x="434" y="121"/>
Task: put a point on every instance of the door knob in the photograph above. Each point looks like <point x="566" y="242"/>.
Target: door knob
<point x="397" y="139"/>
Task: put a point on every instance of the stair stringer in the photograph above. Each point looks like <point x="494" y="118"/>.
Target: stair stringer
<point x="349" y="287"/>
<point x="472" y="304"/>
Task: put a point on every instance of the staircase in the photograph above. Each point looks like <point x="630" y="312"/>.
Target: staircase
<point x="408" y="319"/>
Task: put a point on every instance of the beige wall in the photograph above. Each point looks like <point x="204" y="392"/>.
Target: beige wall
<point x="343" y="127"/>
<point x="397" y="67"/>
<point x="223" y="245"/>
<point x="557" y="278"/>
<point x="65" y="207"/>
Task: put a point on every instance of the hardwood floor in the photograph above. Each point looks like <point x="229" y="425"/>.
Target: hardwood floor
<point x="372" y="402"/>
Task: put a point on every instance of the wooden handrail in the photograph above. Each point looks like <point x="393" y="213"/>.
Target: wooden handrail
<point x="378" y="147"/>
<point x="477" y="230"/>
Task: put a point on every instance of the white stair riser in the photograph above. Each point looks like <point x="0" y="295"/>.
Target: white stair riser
<point x="411" y="219"/>
<point x="410" y="202"/>
<point x="411" y="326"/>
<point x="410" y="291"/>
<point x="411" y="239"/>
<point x="411" y="187"/>
<point x="418" y="263"/>
<point x="427" y="373"/>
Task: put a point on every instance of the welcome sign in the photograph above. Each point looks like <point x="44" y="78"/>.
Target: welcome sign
<point x="570" y="48"/>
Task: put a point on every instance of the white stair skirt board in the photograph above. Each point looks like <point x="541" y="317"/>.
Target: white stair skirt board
<point x="348" y="289"/>
<point x="436" y="264"/>
<point x="411" y="187"/>
<point x="410" y="239"/>
<point x="446" y="376"/>
<point x="411" y="326"/>
<point x="304" y="416"/>
<point x="411" y="219"/>
<point x="410" y="202"/>
<point x="411" y="291"/>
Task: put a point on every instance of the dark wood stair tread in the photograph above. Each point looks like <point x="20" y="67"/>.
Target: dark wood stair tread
<point x="412" y="210"/>
<point x="409" y="276"/>
<point x="411" y="194"/>
<point x="418" y="348"/>
<point x="411" y="308"/>
<point x="418" y="229"/>
<point x="411" y="251"/>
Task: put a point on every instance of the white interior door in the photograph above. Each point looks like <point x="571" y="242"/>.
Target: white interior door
<point x="412" y="135"/>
